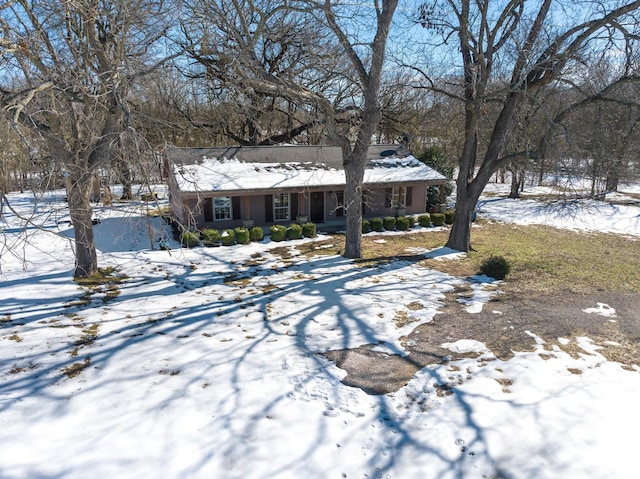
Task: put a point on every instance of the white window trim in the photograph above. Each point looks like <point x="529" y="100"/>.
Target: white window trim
<point x="398" y="197"/>
<point x="215" y="208"/>
<point x="277" y="209"/>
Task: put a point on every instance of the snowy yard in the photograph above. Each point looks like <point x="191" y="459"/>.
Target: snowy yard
<point x="204" y="363"/>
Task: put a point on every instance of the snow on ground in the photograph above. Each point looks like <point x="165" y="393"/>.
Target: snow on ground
<point x="207" y="365"/>
<point x="576" y="214"/>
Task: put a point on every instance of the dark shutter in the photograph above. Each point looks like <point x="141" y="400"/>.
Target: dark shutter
<point x="268" y="208"/>
<point x="409" y="195"/>
<point x="236" y="210"/>
<point x="387" y="197"/>
<point x="208" y="210"/>
<point x="294" y="206"/>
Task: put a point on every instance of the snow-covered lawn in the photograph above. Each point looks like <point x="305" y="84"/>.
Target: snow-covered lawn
<point x="206" y="366"/>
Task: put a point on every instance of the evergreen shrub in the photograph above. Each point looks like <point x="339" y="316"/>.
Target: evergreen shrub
<point x="294" y="231"/>
<point x="210" y="236"/>
<point x="412" y="221"/>
<point x="437" y="219"/>
<point x="389" y="223"/>
<point x="402" y="223"/>
<point x="256" y="234"/>
<point x="424" y="220"/>
<point x="189" y="239"/>
<point x="495" y="267"/>
<point x="228" y="237"/>
<point x="366" y="227"/>
<point x="449" y="215"/>
<point x="242" y="235"/>
<point x="309" y="230"/>
<point x="376" y="224"/>
<point x="278" y="232"/>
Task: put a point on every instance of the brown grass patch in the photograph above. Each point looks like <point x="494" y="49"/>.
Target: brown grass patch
<point x="76" y="368"/>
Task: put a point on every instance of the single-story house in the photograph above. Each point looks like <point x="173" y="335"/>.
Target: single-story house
<point x="234" y="186"/>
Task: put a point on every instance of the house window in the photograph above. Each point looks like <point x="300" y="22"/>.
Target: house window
<point x="281" y="207"/>
<point x="398" y="196"/>
<point x="339" y="198"/>
<point x="222" y="208"/>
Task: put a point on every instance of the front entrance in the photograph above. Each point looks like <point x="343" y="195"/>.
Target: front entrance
<point x="317" y="207"/>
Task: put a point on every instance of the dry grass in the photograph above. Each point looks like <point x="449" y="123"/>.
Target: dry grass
<point x="543" y="259"/>
<point x="76" y="368"/>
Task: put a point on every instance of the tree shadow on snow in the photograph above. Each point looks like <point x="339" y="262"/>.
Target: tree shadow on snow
<point x="233" y="317"/>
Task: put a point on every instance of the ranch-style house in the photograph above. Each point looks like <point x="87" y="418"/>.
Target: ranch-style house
<point x="226" y="187"/>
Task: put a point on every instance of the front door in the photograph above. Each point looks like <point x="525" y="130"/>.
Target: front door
<point x="317" y="207"/>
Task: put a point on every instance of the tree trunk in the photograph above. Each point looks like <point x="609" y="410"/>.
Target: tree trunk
<point x="467" y="195"/>
<point x="353" y="208"/>
<point x="125" y="177"/>
<point x="612" y="182"/>
<point x="541" y="176"/>
<point x="78" y="195"/>
<point x="460" y="236"/>
<point x="516" y="183"/>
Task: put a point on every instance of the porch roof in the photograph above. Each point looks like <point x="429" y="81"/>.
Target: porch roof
<point x="231" y="174"/>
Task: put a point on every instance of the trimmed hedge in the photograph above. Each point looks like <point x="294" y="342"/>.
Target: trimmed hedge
<point x="389" y="223"/>
<point x="228" y="237"/>
<point x="437" y="219"/>
<point x="376" y="224"/>
<point x="412" y="221"/>
<point x="189" y="239"/>
<point x="278" y="232"/>
<point x="366" y="226"/>
<point x="294" y="231"/>
<point x="210" y="236"/>
<point x="449" y="215"/>
<point x="256" y="234"/>
<point x="424" y="220"/>
<point x="309" y="230"/>
<point x="402" y="223"/>
<point x="242" y="235"/>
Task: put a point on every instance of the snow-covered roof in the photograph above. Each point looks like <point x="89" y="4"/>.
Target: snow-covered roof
<point x="233" y="174"/>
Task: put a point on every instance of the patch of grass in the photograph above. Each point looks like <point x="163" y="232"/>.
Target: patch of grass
<point x="89" y="335"/>
<point x="283" y="252"/>
<point x="15" y="337"/>
<point x="76" y="368"/>
<point x="331" y="246"/>
<point x="106" y="281"/>
<point x="546" y="259"/>
<point x="542" y="258"/>
<point x="106" y="275"/>
<point x="236" y="279"/>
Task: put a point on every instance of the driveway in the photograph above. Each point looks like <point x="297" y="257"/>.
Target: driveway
<point x="510" y="322"/>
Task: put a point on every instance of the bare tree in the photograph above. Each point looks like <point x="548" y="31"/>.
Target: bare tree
<point x="509" y="53"/>
<point x="68" y="69"/>
<point x="324" y="57"/>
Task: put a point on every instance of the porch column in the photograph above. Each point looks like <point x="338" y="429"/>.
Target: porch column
<point x="247" y="208"/>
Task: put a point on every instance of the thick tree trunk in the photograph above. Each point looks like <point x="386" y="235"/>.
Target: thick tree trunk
<point x="460" y="235"/>
<point x="353" y="207"/>
<point x="354" y="164"/>
<point x="78" y="195"/>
